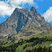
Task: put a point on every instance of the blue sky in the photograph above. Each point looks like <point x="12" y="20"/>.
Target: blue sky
<point x="7" y="7"/>
<point x="43" y="5"/>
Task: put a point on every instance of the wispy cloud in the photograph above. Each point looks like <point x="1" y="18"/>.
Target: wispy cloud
<point x="21" y="1"/>
<point x="16" y="3"/>
<point x="48" y="15"/>
<point x="5" y="9"/>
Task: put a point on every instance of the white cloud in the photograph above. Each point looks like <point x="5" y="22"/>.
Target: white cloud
<point x="21" y="1"/>
<point x="5" y="9"/>
<point x="48" y="15"/>
<point x="16" y="3"/>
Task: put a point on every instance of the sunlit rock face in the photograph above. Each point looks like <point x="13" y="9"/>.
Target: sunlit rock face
<point x="22" y="20"/>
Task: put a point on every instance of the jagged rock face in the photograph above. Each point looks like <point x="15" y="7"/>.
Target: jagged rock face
<point x="21" y="20"/>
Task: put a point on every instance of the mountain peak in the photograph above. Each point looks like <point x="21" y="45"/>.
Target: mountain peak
<point x="24" y="21"/>
<point x="33" y="9"/>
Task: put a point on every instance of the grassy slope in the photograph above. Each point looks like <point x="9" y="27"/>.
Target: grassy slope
<point x="46" y="41"/>
<point x="29" y="42"/>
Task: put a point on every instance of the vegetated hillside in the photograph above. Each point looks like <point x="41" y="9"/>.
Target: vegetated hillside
<point x="35" y="43"/>
<point x="24" y="27"/>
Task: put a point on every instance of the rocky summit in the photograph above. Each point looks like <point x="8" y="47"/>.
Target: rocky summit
<point x="24" y="22"/>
